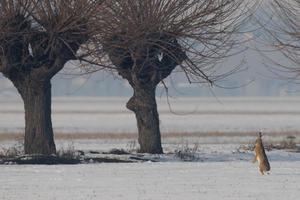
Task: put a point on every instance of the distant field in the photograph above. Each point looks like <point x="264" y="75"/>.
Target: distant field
<point x="196" y="117"/>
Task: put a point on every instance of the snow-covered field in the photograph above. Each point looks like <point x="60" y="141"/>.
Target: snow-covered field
<point x="151" y="181"/>
<point x="219" y="171"/>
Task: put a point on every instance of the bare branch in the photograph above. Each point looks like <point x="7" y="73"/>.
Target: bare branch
<point x="40" y="34"/>
<point x="164" y="34"/>
<point x="283" y="35"/>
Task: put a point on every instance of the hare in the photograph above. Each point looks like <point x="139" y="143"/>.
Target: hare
<point x="260" y="155"/>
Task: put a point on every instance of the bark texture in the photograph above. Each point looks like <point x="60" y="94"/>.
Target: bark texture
<point x="32" y="80"/>
<point x="34" y="86"/>
<point x="36" y="95"/>
<point x="33" y="83"/>
<point x="143" y="104"/>
<point x="144" y="70"/>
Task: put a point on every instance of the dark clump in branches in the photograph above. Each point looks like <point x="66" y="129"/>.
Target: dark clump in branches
<point x="161" y="58"/>
<point x="146" y="40"/>
<point x="37" y="39"/>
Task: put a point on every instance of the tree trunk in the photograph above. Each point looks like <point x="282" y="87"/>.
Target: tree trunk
<point x="38" y="125"/>
<point x="143" y="104"/>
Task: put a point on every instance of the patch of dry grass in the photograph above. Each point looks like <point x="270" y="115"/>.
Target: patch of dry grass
<point x="164" y="111"/>
<point x="132" y="136"/>
<point x="187" y="152"/>
<point x="288" y="143"/>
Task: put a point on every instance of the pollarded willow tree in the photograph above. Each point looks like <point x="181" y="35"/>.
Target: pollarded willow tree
<point x="37" y="38"/>
<point x="146" y="40"/>
<point x="282" y="25"/>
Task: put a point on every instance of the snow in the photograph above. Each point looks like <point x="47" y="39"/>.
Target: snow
<point x="147" y="181"/>
<point x="219" y="170"/>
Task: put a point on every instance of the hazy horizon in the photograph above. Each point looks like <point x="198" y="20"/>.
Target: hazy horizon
<point x="254" y="81"/>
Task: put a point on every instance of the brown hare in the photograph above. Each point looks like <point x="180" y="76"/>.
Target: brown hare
<point x="260" y="155"/>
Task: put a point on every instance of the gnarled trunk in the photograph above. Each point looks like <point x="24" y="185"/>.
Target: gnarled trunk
<point x="144" y="67"/>
<point x="38" y="125"/>
<point x="143" y="104"/>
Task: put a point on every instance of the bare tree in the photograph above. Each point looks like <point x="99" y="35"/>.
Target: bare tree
<point x="37" y="38"/>
<point x="281" y="22"/>
<point x="146" y="40"/>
